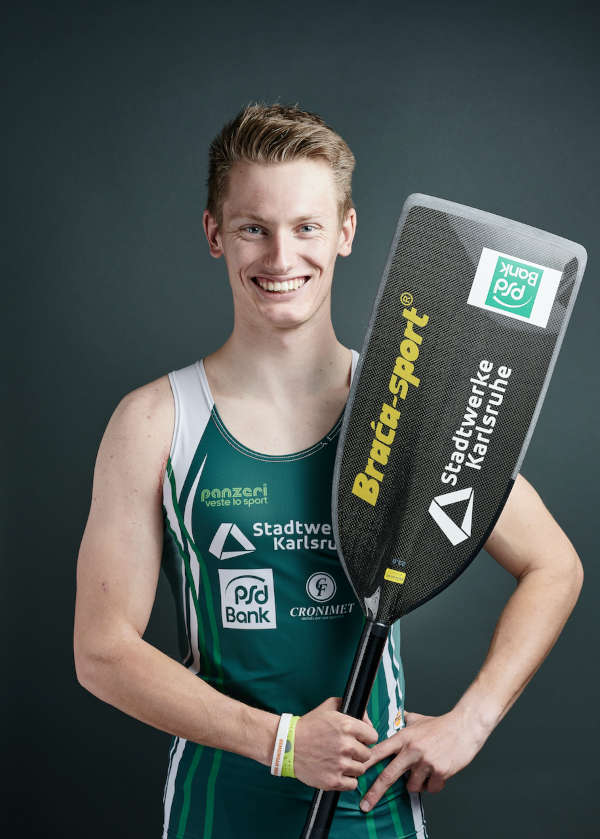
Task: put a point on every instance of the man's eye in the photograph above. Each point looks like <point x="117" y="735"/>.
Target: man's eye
<point x="308" y="227"/>
<point x="252" y="227"/>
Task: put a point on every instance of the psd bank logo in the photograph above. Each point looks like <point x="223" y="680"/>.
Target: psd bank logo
<point x="518" y="289"/>
<point x="321" y="587"/>
<point x="248" y="598"/>
<point x="220" y="537"/>
<point x="454" y="532"/>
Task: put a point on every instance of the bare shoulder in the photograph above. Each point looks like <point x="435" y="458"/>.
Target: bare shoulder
<point x="140" y="431"/>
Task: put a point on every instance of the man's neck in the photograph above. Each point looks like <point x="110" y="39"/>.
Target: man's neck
<point x="281" y="364"/>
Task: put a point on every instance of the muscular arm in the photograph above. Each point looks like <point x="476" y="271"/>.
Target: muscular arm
<point x="529" y="544"/>
<point x="117" y="574"/>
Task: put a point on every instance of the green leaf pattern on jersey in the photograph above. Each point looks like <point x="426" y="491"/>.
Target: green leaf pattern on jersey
<point x="203" y="574"/>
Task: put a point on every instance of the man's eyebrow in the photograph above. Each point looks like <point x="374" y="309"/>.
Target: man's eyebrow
<point x="255" y="217"/>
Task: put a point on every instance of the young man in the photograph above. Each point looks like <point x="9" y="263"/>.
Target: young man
<point x="221" y="473"/>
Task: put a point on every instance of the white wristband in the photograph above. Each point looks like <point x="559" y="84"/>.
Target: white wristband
<point x="280" y="741"/>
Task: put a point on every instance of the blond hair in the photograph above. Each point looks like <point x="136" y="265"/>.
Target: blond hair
<point x="276" y="133"/>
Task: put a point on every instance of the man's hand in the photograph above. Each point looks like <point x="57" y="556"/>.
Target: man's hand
<point x="331" y="749"/>
<point x="432" y="748"/>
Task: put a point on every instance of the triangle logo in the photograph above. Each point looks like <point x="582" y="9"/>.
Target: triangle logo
<point x="220" y="537"/>
<point x="455" y="533"/>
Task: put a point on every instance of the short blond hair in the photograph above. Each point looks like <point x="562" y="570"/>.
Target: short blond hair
<point x="263" y="133"/>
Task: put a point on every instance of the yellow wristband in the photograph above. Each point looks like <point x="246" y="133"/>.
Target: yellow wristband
<point x="287" y="768"/>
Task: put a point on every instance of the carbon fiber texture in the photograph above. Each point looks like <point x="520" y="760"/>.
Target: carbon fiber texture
<point x="431" y="270"/>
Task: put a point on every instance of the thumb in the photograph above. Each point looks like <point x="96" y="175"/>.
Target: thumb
<point x="367" y="719"/>
<point x="412" y="717"/>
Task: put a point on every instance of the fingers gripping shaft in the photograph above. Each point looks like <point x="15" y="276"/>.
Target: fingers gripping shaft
<point x="354" y="703"/>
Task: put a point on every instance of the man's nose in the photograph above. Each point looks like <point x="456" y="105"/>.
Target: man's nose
<point x="279" y="253"/>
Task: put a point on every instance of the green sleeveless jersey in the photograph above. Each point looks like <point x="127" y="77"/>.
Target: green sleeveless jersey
<point x="266" y="615"/>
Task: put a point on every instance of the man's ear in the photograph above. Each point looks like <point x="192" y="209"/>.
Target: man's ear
<point x="347" y="233"/>
<point x="213" y="234"/>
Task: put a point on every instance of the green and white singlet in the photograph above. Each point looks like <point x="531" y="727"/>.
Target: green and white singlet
<point x="266" y="615"/>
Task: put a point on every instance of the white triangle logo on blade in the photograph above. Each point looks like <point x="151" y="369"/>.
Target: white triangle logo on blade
<point x="454" y="533"/>
<point x="216" y="546"/>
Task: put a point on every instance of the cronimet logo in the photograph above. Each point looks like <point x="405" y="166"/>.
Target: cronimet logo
<point x="321" y="587"/>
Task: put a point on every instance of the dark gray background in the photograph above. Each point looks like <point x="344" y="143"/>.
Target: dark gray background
<point x="107" y="284"/>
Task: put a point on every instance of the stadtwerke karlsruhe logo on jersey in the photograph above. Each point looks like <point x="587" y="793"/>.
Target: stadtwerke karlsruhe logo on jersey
<point x="229" y="535"/>
<point x="248" y="598"/>
<point x="514" y="287"/>
<point x="292" y="535"/>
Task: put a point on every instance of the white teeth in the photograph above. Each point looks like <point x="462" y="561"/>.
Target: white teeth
<point x="286" y="285"/>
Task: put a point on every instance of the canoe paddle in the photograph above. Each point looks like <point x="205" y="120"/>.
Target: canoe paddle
<point x="460" y="347"/>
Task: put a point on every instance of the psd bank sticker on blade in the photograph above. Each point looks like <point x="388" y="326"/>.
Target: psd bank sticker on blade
<point x="248" y="598"/>
<point x="514" y="287"/>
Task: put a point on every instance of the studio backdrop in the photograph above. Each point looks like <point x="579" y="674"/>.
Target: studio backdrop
<point x="108" y="284"/>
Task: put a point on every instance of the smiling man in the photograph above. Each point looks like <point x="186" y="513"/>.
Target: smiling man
<point x="220" y="473"/>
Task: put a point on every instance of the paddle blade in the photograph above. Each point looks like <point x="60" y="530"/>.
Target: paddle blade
<point x="465" y="330"/>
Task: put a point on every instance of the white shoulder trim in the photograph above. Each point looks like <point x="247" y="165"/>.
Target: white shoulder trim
<point x="355" y="357"/>
<point x="193" y="406"/>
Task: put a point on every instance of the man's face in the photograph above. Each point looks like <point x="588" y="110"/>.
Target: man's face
<point x="280" y="226"/>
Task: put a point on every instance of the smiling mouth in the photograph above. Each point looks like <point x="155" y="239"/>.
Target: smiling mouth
<point x="280" y="287"/>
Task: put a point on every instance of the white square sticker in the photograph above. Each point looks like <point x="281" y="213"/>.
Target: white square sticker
<point x="248" y="598"/>
<point x="514" y="287"/>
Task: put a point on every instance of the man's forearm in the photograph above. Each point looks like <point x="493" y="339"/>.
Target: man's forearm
<point x="526" y="631"/>
<point x="530" y="545"/>
<point x="145" y="683"/>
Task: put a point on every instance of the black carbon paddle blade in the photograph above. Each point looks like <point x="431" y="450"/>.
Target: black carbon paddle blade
<point x="464" y="334"/>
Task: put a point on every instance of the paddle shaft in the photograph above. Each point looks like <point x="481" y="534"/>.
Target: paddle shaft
<point x="354" y="703"/>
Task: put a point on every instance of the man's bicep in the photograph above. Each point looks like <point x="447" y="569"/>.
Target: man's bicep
<point x="120" y="554"/>
<point x="526" y="536"/>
